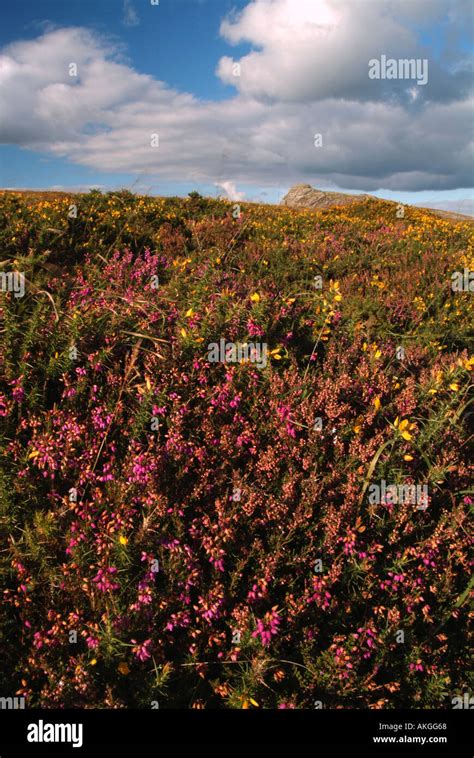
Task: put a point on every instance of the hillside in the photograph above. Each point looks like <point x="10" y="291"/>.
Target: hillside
<point x="302" y="196"/>
<point x="203" y="526"/>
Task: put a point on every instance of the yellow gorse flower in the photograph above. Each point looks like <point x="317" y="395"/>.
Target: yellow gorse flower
<point x="358" y="424"/>
<point x="276" y="354"/>
<point x="249" y="701"/>
<point x="404" y="427"/>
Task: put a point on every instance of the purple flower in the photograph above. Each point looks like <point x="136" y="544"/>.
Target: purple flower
<point x="142" y="652"/>
<point x="267" y="627"/>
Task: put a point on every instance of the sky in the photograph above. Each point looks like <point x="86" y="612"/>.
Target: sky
<point x="242" y="98"/>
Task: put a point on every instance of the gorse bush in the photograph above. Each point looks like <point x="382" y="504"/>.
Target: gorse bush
<point x="201" y="534"/>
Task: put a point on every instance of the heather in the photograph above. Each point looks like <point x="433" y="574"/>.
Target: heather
<point x="200" y="534"/>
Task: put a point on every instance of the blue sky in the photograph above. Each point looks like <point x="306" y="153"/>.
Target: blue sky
<point x="177" y="41"/>
<point x="168" y="68"/>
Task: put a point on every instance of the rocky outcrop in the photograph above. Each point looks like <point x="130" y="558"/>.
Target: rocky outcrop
<point x="305" y="196"/>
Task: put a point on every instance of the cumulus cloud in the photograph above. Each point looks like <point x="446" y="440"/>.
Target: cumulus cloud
<point x="309" y="50"/>
<point x="231" y="190"/>
<point x="105" y="116"/>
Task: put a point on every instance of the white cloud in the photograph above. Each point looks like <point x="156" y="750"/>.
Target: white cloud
<point x="307" y="50"/>
<point x="104" y="117"/>
<point x="231" y="190"/>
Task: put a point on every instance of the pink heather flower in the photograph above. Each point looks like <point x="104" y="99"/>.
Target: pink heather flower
<point x="267" y="627"/>
<point x="254" y="329"/>
<point x="178" y="620"/>
<point x="18" y="392"/>
<point x="321" y="596"/>
<point x="142" y="652"/>
<point x="258" y="590"/>
<point x="37" y="640"/>
<point x="283" y="411"/>
<point x="159" y="410"/>
<point x="100" y="419"/>
<point x="103" y="582"/>
<point x="290" y="429"/>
